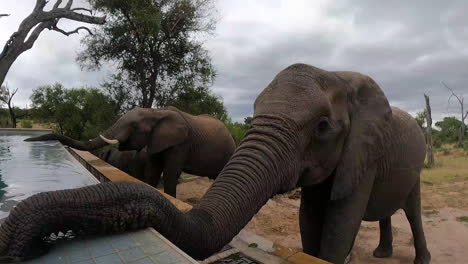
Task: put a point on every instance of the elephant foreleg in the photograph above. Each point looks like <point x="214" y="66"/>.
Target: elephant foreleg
<point x="311" y="216"/>
<point x="385" y="248"/>
<point x="413" y="213"/>
<point x="343" y="220"/>
<point x="174" y="160"/>
<point x="153" y="170"/>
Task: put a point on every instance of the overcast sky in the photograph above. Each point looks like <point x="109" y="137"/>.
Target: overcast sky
<point x="408" y="47"/>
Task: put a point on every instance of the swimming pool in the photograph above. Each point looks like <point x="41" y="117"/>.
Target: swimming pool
<point x="27" y="168"/>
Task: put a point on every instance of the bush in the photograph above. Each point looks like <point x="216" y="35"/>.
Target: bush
<point x="237" y="130"/>
<point x="26" y="124"/>
<point x="437" y="142"/>
<point x="5" y="122"/>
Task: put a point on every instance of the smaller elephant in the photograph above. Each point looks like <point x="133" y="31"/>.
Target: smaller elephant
<point x="174" y="141"/>
<point x="132" y="162"/>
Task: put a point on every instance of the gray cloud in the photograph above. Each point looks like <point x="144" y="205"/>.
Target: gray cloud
<point x="407" y="47"/>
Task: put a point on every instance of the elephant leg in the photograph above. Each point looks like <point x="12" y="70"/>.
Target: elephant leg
<point x="385" y="248"/>
<point x="343" y="220"/>
<point x="311" y="216"/>
<point x="413" y="213"/>
<point x="174" y="161"/>
<point x="153" y="170"/>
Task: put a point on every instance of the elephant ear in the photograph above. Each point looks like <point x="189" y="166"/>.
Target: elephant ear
<point x="370" y="115"/>
<point x="171" y="129"/>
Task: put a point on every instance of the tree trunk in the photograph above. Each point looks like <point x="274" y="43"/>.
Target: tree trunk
<point x="430" y="153"/>
<point x="12" y="114"/>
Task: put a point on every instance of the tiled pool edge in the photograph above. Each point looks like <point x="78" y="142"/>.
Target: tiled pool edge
<point x="106" y="172"/>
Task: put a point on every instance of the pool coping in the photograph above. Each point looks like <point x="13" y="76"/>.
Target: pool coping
<point x="267" y="251"/>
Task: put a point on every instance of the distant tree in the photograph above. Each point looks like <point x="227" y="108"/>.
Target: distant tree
<point x="156" y="46"/>
<point x="6" y="96"/>
<point x="462" y="128"/>
<point x="78" y="113"/>
<point x="32" y="26"/>
<point x="421" y="119"/>
<point x="200" y="101"/>
<point x="448" y="129"/>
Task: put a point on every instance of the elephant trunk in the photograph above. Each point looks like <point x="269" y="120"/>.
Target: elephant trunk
<point x="108" y="137"/>
<point x="263" y="165"/>
<point x="92" y="144"/>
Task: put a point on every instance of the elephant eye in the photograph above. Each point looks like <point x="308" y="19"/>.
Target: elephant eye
<point x="322" y="126"/>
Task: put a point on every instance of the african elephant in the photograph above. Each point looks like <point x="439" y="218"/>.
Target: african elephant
<point x="332" y="133"/>
<point x="174" y="141"/>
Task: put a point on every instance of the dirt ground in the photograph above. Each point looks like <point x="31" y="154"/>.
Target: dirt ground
<point x="445" y="217"/>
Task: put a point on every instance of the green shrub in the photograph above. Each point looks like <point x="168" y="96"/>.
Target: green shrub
<point x="5" y="122"/>
<point x="437" y="142"/>
<point x="26" y="124"/>
<point x="237" y="130"/>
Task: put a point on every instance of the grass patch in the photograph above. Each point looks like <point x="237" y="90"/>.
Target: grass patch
<point x="462" y="219"/>
<point x="448" y="167"/>
<point x="253" y="245"/>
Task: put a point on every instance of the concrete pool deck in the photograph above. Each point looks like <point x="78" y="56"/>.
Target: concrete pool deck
<point x="265" y="250"/>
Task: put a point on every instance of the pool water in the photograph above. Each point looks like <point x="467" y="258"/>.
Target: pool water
<point x="27" y="168"/>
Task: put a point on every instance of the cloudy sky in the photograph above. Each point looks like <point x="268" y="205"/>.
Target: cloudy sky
<point x="408" y="47"/>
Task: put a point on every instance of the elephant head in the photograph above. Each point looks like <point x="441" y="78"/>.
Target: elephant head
<point x="137" y="129"/>
<point x="308" y="125"/>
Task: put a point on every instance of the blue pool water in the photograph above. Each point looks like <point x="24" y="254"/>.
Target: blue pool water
<point x="27" y="168"/>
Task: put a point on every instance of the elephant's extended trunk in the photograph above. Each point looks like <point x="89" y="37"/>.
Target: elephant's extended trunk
<point x="258" y="170"/>
<point x="92" y="144"/>
<point x="108" y="137"/>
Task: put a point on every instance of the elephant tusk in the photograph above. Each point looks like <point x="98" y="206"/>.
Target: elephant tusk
<point x="109" y="141"/>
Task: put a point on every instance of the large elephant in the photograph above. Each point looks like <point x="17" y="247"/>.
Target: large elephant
<point x="174" y="141"/>
<point x="333" y="133"/>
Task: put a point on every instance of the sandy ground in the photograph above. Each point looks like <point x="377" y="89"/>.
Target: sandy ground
<point x="446" y="235"/>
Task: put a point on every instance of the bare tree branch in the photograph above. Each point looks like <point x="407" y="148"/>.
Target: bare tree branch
<point x="57" y="4"/>
<point x="32" y="26"/>
<point x="68" y="33"/>
<point x="462" y="112"/>
<point x="69" y="4"/>
<point x="453" y="94"/>
<point x="40" y="4"/>
<point x="82" y="9"/>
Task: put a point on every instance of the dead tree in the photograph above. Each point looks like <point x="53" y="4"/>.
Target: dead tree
<point x="429" y="142"/>
<point x="32" y="26"/>
<point x="463" y="115"/>
<point x="6" y="96"/>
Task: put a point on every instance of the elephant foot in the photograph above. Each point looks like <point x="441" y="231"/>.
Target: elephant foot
<point x="383" y="251"/>
<point x="423" y="258"/>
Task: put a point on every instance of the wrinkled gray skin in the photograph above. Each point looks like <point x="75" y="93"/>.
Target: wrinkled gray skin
<point x="132" y="162"/>
<point x="333" y="133"/>
<point x="174" y="141"/>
